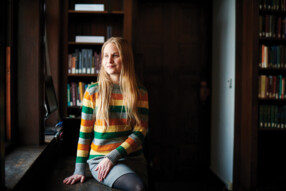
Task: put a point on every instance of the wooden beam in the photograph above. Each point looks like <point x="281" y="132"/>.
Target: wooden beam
<point x="245" y="148"/>
<point x="2" y="92"/>
<point x="30" y="73"/>
<point x="128" y="19"/>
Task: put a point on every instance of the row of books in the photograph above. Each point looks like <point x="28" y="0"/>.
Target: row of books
<point x="272" y="26"/>
<point x="272" y="56"/>
<point x="75" y="92"/>
<point x="272" y="116"/>
<point x="274" y="5"/>
<point x="84" y="61"/>
<point x="271" y="87"/>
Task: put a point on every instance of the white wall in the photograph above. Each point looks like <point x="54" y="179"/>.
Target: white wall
<point x="223" y="71"/>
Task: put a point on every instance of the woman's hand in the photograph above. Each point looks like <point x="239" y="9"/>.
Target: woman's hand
<point x="73" y="179"/>
<point x="103" y="168"/>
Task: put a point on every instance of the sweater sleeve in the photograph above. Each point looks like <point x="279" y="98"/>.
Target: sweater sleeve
<point x="86" y="132"/>
<point x="135" y="140"/>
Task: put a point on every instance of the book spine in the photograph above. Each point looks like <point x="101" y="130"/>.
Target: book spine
<point x="69" y="94"/>
<point x="84" y="63"/>
<point x="8" y="93"/>
<point x="69" y="63"/>
<point x="73" y="93"/>
<point x="273" y="116"/>
<point x="262" y="86"/>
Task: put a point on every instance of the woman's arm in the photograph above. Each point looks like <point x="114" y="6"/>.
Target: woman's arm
<point x="85" y="136"/>
<point x="135" y="140"/>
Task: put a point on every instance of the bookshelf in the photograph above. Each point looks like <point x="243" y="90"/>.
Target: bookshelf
<point x="81" y="58"/>
<point x="271" y="98"/>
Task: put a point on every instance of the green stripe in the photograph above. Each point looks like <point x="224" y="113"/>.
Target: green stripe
<point x="81" y="159"/>
<point x="93" y="85"/>
<point x="142" y="88"/>
<point x="139" y="135"/>
<point x="85" y="135"/>
<point x="93" y="156"/>
<point x="87" y="110"/>
<point x="121" y="108"/>
<point x="121" y="150"/>
<point x="117" y="108"/>
<point x="98" y="135"/>
<point x="143" y="110"/>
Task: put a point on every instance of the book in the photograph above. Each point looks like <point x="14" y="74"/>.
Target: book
<point x="8" y="93"/>
<point x="262" y="86"/>
<point x="69" y="63"/>
<point x="69" y="94"/>
<point x="89" y="60"/>
<point x="89" y="39"/>
<point x="109" y="32"/>
<point x="261" y="117"/>
<point x="89" y="7"/>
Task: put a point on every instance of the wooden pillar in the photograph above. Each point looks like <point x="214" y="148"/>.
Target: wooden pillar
<point x="30" y="73"/>
<point x="2" y="92"/>
<point x="245" y="149"/>
<point x="128" y="20"/>
<point x="53" y="37"/>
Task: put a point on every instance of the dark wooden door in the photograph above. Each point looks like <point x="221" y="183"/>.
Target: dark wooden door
<point x="172" y="54"/>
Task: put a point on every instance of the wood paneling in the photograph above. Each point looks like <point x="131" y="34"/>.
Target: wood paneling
<point x="170" y="49"/>
<point x="53" y="23"/>
<point x="30" y="73"/>
<point x="2" y="90"/>
<point x="245" y="151"/>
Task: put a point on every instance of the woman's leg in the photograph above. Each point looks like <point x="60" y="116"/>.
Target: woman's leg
<point x="129" y="182"/>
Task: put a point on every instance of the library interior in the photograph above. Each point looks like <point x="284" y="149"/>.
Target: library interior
<point x="212" y="115"/>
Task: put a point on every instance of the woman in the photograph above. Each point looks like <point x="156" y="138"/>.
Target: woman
<point x="114" y="123"/>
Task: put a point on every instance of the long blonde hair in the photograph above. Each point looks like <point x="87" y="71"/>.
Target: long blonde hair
<point x="127" y="83"/>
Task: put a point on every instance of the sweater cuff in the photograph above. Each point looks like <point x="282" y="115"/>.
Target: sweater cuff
<point x="114" y="156"/>
<point x="79" y="169"/>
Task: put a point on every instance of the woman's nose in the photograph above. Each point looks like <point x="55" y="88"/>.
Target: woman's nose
<point x="110" y="59"/>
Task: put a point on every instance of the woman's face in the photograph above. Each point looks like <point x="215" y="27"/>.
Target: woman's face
<point x="111" y="60"/>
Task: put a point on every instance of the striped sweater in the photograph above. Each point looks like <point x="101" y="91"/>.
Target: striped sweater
<point x="117" y="140"/>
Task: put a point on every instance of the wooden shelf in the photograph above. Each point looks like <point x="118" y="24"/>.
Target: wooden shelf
<point x="275" y="12"/>
<point x="271" y="101"/>
<point x="96" y="12"/>
<point x="118" y="16"/>
<point x="87" y="12"/>
<point x="272" y="40"/>
<point x="82" y="75"/>
<point x="271" y="129"/>
<point x="269" y="140"/>
<point x="84" y="43"/>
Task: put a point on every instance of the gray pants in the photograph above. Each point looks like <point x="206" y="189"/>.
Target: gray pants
<point x="134" y="164"/>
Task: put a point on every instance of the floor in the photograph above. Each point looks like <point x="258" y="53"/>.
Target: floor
<point x="65" y="167"/>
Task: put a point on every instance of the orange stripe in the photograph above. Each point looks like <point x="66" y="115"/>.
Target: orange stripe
<point x="86" y="122"/>
<point x="100" y="148"/>
<point x="144" y="124"/>
<point x="83" y="147"/>
<point x="100" y="122"/>
<point x="143" y="97"/>
<point x="132" y="143"/>
<point x="117" y="96"/>
<point x="90" y="97"/>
